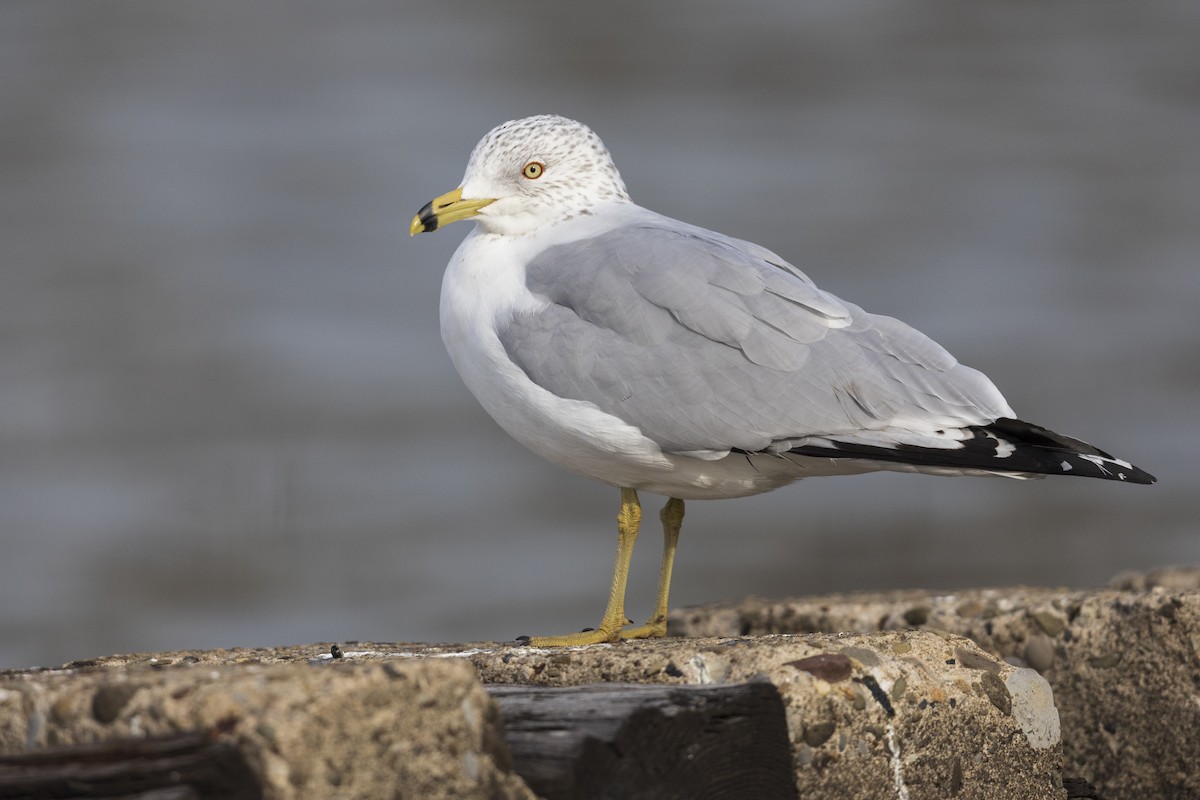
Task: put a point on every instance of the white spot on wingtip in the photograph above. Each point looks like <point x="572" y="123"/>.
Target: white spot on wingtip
<point x="1098" y="461"/>
<point x="1004" y="449"/>
<point x="1065" y="467"/>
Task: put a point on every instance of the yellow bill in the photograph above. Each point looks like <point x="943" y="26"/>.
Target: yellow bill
<point x="441" y="211"/>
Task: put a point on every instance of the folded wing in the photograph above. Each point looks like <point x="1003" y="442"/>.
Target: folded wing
<point x="709" y="344"/>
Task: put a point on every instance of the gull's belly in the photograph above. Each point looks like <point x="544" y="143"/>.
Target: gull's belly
<point x="579" y="437"/>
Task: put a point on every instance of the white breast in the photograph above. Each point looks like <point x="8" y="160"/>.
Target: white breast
<point x="483" y="286"/>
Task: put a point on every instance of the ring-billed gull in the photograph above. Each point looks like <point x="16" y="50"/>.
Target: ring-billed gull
<point x="655" y="355"/>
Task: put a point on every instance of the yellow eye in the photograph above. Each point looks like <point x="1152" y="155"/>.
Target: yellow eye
<point x="533" y="170"/>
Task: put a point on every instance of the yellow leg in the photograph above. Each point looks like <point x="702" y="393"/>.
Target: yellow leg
<point x="628" y="522"/>
<point x="672" y="520"/>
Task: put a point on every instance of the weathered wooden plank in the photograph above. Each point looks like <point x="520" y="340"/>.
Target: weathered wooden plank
<point x="189" y="766"/>
<point x="646" y="741"/>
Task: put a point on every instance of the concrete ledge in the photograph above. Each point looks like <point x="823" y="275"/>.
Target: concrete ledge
<point x="398" y="729"/>
<point x="884" y="715"/>
<point x="1124" y="665"/>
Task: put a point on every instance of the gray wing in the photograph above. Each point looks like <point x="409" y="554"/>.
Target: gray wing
<point x="708" y="343"/>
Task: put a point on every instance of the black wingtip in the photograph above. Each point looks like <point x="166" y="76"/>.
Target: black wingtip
<point x="1005" y="446"/>
<point x="1065" y="455"/>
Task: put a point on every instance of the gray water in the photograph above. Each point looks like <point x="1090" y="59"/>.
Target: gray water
<point x="226" y="417"/>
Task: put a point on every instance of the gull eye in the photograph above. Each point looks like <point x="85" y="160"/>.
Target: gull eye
<point x="533" y="170"/>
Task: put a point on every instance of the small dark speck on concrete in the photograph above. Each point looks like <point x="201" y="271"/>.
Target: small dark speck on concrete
<point x="830" y="667"/>
<point x="1105" y="661"/>
<point x="996" y="691"/>
<point x="337" y="652"/>
<point x="1080" y="789"/>
<point x="974" y="660"/>
<point x="878" y="693"/>
<point x="950" y="661"/>
<point x="956" y="778"/>
<point x="110" y="699"/>
<point x="1168" y="609"/>
<point x="672" y="670"/>
<point x="817" y="734"/>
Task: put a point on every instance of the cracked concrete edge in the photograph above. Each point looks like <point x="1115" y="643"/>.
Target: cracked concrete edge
<point x="1123" y="662"/>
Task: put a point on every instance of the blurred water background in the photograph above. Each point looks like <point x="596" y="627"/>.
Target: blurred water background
<point x="226" y="416"/>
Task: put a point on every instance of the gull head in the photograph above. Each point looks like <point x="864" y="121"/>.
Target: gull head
<point x="526" y="174"/>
